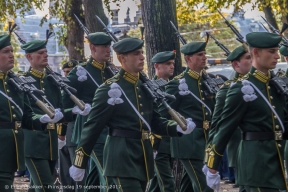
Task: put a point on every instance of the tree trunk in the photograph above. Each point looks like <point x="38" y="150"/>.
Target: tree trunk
<point x="92" y="8"/>
<point x="75" y="36"/>
<point x="269" y="15"/>
<point x="159" y="34"/>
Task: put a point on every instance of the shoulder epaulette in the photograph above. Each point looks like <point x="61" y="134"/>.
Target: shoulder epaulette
<point x="112" y="79"/>
<point x="21" y="73"/>
<point x="243" y="78"/>
<point x="179" y="76"/>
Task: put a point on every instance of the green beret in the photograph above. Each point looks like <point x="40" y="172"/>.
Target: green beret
<point x="34" y="45"/>
<point x="162" y="57"/>
<point x="5" y="41"/>
<point x="127" y="45"/>
<point x="193" y="47"/>
<point x="72" y="63"/>
<point x="236" y="54"/>
<point x="99" y="38"/>
<point x="284" y="50"/>
<point x="263" y="39"/>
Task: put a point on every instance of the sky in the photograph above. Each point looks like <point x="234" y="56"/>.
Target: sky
<point x="132" y="4"/>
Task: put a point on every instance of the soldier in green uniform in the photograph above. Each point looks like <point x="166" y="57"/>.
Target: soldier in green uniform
<point x="123" y="105"/>
<point x="241" y="63"/>
<point x="284" y="51"/>
<point x="67" y="153"/>
<point x="192" y="102"/>
<point x="163" y="179"/>
<point x="86" y="78"/>
<point x="16" y="113"/>
<point x="255" y="106"/>
<point x="41" y="141"/>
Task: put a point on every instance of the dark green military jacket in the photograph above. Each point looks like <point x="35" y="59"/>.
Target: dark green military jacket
<point x="235" y="138"/>
<point x="85" y="92"/>
<point x="41" y="140"/>
<point x="161" y="143"/>
<point x="191" y="146"/>
<point x="12" y="140"/>
<point x="260" y="162"/>
<point x="123" y="157"/>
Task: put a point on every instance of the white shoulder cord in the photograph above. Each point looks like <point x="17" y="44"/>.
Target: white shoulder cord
<point x="10" y="99"/>
<point x="200" y="101"/>
<point x="136" y="111"/>
<point x="273" y="110"/>
<point x="91" y="77"/>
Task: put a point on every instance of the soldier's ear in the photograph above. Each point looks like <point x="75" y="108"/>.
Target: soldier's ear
<point x="286" y="58"/>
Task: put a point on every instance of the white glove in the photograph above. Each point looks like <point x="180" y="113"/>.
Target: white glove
<point x="57" y="116"/>
<point x="213" y="180"/>
<point x="155" y="154"/>
<point x="190" y="127"/>
<point x="205" y="169"/>
<point x="61" y="143"/>
<point x="76" y="173"/>
<point x="77" y="110"/>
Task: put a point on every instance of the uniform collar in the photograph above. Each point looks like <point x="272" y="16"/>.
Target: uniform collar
<point x="194" y="74"/>
<point x="37" y="73"/>
<point x="2" y="75"/>
<point x="238" y="76"/>
<point x="128" y="76"/>
<point x="97" y="64"/>
<point x="259" y="75"/>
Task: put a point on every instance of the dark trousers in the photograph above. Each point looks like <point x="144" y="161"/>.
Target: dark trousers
<point x="97" y="157"/>
<point x="6" y="181"/>
<point x="163" y="179"/>
<point x="41" y="172"/>
<point x="185" y="185"/>
<point x="66" y="155"/>
<point x="129" y="184"/>
<point x="259" y="189"/>
<point x="194" y="169"/>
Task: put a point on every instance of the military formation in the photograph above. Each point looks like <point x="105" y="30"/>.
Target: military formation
<point x="114" y="129"/>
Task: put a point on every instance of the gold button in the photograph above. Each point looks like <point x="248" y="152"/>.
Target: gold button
<point x="279" y="145"/>
<point x="203" y="106"/>
<point x="139" y="96"/>
<point x="42" y="81"/>
<point x="103" y="77"/>
<point x="273" y="106"/>
<point x="141" y="105"/>
<point x="203" y="99"/>
<point x="206" y="113"/>
<point x="268" y="87"/>
<point x="137" y="87"/>
<point x="8" y="91"/>
<point x="142" y="113"/>
<point x="271" y="97"/>
<point x="201" y="91"/>
<point x="14" y="115"/>
<point x="102" y="71"/>
<point x="277" y="126"/>
<point x="275" y="117"/>
<point x="5" y="83"/>
<point x="16" y="131"/>
<point x="199" y="83"/>
<point x="43" y="89"/>
<point x="12" y="107"/>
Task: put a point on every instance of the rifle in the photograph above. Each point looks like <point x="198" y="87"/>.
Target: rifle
<point x="280" y="83"/>
<point x="225" y="49"/>
<point x="86" y="31"/>
<point x="60" y="82"/>
<point x="239" y="38"/>
<point x="183" y="41"/>
<point x="23" y="84"/>
<point x="265" y="28"/>
<point x="153" y="88"/>
<point x="276" y="31"/>
<point x="112" y="36"/>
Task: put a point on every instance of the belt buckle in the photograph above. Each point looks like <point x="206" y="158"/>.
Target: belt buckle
<point x="278" y="135"/>
<point x="206" y="125"/>
<point x="51" y="126"/>
<point x="145" y="135"/>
